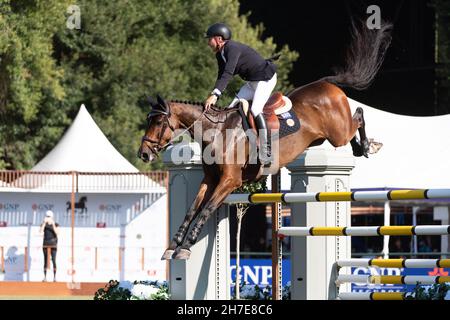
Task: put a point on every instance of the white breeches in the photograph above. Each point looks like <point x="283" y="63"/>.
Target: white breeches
<point x="258" y="91"/>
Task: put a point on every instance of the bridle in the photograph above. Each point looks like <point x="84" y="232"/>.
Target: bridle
<point x="166" y="124"/>
<point x="166" y="113"/>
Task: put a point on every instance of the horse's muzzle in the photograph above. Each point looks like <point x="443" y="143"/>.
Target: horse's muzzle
<point x="145" y="155"/>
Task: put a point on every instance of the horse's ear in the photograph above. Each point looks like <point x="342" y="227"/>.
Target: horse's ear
<point x="152" y="101"/>
<point x="162" y="103"/>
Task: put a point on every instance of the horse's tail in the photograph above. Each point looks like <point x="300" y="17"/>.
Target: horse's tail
<point x="364" y="56"/>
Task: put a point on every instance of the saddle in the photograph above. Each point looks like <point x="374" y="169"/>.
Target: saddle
<point x="275" y="106"/>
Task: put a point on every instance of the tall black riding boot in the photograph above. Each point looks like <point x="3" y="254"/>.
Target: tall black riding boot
<point x="264" y="148"/>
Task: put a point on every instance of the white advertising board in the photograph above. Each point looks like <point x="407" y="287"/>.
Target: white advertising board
<point x="116" y="236"/>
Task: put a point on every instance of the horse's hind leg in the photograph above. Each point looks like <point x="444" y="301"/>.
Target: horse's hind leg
<point x="360" y="148"/>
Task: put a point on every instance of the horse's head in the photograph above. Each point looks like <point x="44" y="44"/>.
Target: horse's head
<point x="159" y="130"/>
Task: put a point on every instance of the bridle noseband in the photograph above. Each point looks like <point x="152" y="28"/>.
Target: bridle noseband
<point x="166" y="113"/>
<point x="158" y="148"/>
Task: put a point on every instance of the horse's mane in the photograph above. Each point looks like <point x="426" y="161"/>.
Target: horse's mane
<point x="195" y="103"/>
<point x="216" y="108"/>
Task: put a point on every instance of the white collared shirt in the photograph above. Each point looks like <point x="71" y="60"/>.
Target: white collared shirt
<point x="223" y="55"/>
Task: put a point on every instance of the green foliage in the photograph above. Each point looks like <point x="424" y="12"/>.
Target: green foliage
<point x="30" y="81"/>
<point x="123" y="51"/>
<point x="112" y="291"/>
<point x="162" y="294"/>
<point x="255" y="292"/>
<point x="253" y="187"/>
<point x="433" y="292"/>
<point x="259" y="293"/>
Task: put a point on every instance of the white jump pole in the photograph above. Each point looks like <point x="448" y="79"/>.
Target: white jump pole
<point x="302" y="197"/>
<point x="371" y="296"/>
<point x="423" y="230"/>
<point x="395" y="263"/>
<point x="376" y="279"/>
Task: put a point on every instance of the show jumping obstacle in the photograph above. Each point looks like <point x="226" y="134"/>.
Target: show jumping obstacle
<point x="339" y="196"/>
<point x="364" y="231"/>
<point x="395" y="263"/>
<point x="382" y="279"/>
<point x="372" y="296"/>
<point x="377" y="279"/>
<point x="384" y="263"/>
<point x="387" y="263"/>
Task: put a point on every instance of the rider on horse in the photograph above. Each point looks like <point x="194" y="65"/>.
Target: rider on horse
<point x="237" y="58"/>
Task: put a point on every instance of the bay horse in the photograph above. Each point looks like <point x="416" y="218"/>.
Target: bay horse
<point x="321" y="106"/>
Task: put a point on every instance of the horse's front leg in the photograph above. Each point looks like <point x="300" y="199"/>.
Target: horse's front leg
<point x="223" y="189"/>
<point x="204" y="193"/>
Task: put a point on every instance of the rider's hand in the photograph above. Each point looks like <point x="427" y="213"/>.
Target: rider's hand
<point x="210" y="102"/>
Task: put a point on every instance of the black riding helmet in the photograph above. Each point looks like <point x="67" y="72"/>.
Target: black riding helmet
<point x="219" y="29"/>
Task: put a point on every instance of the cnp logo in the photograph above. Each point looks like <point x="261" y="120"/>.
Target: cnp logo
<point x="42" y="206"/>
<point x="110" y="207"/>
<point x="9" y="206"/>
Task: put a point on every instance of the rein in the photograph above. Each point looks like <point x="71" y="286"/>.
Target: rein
<point x="166" y="113"/>
<point x="166" y="124"/>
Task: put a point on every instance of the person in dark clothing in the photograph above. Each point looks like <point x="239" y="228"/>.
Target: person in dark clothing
<point x="50" y="230"/>
<point x="237" y="58"/>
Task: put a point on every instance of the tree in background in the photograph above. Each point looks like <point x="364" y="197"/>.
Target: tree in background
<point x="123" y="51"/>
<point x="31" y="118"/>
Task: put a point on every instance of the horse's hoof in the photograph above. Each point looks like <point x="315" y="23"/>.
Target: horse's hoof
<point x="357" y="153"/>
<point x="366" y="148"/>
<point x="182" y="254"/>
<point x="167" y="254"/>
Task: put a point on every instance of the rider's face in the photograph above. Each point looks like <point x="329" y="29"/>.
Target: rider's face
<point x="215" y="43"/>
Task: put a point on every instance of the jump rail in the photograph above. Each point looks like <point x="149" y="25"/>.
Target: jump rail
<point x="372" y="296"/>
<point x="338" y="196"/>
<point x="365" y="231"/>
<point x="395" y="263"/>
<point x="376" y="279"/>
<point x="386" y="195"/>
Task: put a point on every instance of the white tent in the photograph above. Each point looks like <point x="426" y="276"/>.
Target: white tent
<point x="415" y="152"/>
<point x="84" y="148"/>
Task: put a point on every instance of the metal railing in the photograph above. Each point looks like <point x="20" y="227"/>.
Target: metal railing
<point x="81" y="181"/>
